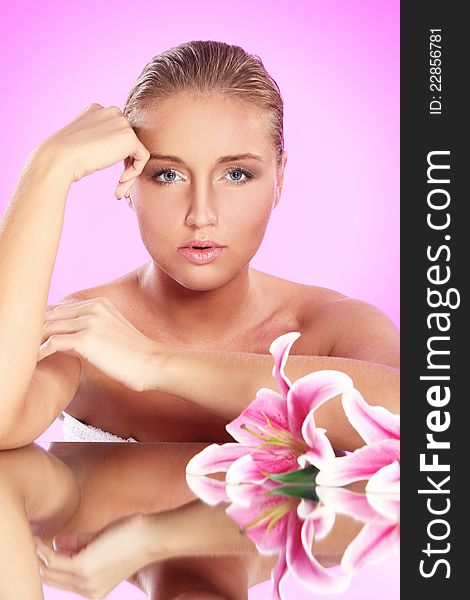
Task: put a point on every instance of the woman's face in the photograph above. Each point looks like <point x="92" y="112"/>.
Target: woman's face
<point x="202" y="187"/>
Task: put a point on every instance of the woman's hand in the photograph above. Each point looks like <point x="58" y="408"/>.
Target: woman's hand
<point x="95" y="330"/>
<point x="92" y="564"/>
<point x="98" y="138"/>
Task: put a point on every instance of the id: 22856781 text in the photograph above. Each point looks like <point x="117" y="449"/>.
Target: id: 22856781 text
<point x="435" y="71"/>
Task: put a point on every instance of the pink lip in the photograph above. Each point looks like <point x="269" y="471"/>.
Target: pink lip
<point x="198" y="242"/>
<point x="203" y="256"/>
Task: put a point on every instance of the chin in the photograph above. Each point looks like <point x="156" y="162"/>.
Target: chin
<point x="202" y="278"/>
<point x="203" y="282"/>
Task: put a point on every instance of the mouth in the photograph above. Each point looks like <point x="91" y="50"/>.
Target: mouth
<point x="196" y="244"/>
<point x="201" y="252"/>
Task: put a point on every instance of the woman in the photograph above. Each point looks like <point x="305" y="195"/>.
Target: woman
<point x="177" y="348"/>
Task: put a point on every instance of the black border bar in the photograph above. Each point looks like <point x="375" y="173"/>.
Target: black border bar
<point x="434" y="289"/>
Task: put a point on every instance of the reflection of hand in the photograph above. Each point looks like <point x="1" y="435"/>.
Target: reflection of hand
<point x="92" y="564"/>
<point x="97" y="331"/>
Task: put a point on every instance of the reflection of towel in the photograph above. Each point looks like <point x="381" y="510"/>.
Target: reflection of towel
<point x="76" y="431"/>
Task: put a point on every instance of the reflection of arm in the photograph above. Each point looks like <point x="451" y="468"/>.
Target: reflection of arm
<point x="364" y="344"/>
<point x="194" y="529"/>
<point x="33" y="487"/>
<point x="93" y="563"/>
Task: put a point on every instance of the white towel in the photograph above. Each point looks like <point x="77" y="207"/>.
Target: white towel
<point x="76" y="431"/>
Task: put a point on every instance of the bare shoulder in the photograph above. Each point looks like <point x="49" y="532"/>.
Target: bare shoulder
<point x="357" y="329"/>
<point x="302" y="297"/>
<point x="336" y="325"/>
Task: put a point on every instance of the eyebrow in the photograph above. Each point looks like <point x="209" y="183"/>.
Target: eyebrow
<point x="222" y="159"/>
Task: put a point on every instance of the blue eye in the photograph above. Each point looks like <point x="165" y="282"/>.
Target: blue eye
<point x="240" y="173"/>
<point x="157" y="174"/>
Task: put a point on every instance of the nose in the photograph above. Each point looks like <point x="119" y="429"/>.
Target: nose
<point x="202" y="211"/>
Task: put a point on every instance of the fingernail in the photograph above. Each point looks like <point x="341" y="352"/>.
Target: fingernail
<point x="43" y="558"/>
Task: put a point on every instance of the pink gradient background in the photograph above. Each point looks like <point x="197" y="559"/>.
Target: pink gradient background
<point x="337" y="64"/>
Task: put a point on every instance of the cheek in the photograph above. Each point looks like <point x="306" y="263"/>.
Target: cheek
<point x="249" y="218"/>
<point x="157" y="228"/>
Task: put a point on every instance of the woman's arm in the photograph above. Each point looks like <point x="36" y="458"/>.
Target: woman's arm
<point x="365" y="344"/>
<point x="29" y="238"/>
<point x="30" y="232"/>
<point x="225" y="383"/>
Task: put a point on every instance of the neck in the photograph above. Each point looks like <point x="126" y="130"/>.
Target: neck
<point x="196" y="311"/>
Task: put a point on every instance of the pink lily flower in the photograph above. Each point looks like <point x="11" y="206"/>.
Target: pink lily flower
<point x="378" y="461"/>
<point x="277" y="429"/>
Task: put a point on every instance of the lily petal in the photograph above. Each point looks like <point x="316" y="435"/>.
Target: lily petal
<point x="244" y="494"/>
<point x="244" y="470"/>
<point x="278" y="575"/>
<point x="267" y="403"/>
<point x="303" y="565"/>
<point x="360" y="464"/>
<point x="275" y="459"/>
<point x="211" y="491"/>
<point x="385" y="480"/>
<point x="215" y="458"/>
<point x="280" y="349"/>
<point x="265" y="520"/>
<point x="311" y="391"/>
<point x="386" y="505"/>
<point x="305" y="508"/>
<point x="374" y="543"/>
<point x="322" y="518"/>
<point x="347" y="502"/>
<point x="320" y="452"/>
<point x="373" y="423"/>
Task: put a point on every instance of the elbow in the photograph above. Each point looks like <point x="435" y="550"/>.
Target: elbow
<point x="12" y="435"/>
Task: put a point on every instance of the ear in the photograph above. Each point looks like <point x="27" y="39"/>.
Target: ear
<point x="280" y="178"/>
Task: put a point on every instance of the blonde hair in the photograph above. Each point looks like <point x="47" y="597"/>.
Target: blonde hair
<point x="206" y="67"/>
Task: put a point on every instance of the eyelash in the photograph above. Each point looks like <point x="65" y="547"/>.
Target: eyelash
<point x="245" y="172"/>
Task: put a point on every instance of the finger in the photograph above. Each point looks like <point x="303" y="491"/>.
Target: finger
<point x="72" y="542"/>
<point x="54" y="561"/>
<point x="76" y="308"/>
<point x="124" y="188"/>
<point x="140" y="158"/>
<point x="99" y="305"/>
<point x="62" y="582"/>
<point x="69" y="305"/>
<point x="74" y="575"/>
<point x="56" y="326"/>
<point x="68" y="342"/>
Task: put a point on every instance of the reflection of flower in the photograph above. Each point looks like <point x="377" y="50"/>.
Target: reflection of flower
<point x="278" y="523"/>
<point x="287" y="525"/>
<point x="380" y="536"/>
<point x="379" y="460"/>
<point x="277" y="431"/>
